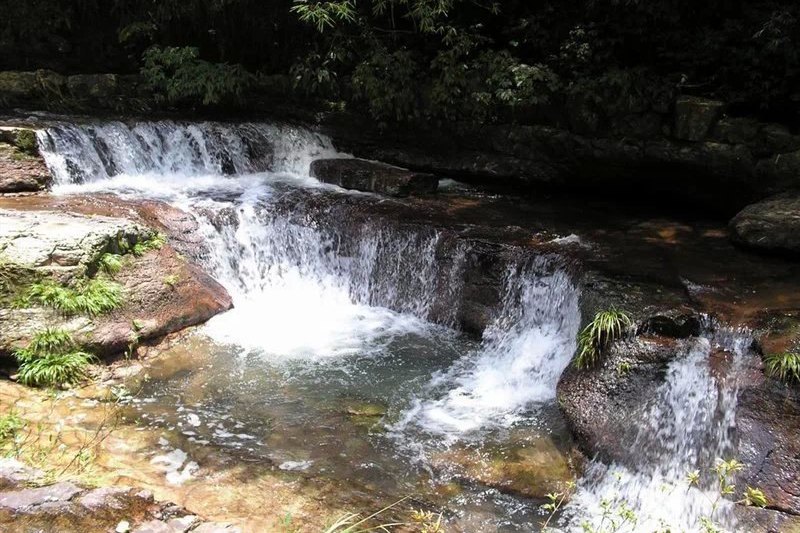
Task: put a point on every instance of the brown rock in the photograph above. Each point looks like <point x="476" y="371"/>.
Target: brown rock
<point x="371" y="176"/>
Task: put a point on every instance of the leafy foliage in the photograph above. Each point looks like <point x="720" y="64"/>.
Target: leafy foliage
<point x="153" y="243"/>
<point x="10" y="425"/>
<point x="784" y="366"/>
<point x="605" y="327"/>
<point x="52" y="359"/>
<point x="177" y="74"/>
<point x="93" y="297"/>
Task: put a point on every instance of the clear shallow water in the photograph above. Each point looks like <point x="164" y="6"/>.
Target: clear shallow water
<point x="331" y="365"/>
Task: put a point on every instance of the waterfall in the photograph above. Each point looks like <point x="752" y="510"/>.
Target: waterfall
<point x="310" y="283"/>
<point x="688" y="425"/>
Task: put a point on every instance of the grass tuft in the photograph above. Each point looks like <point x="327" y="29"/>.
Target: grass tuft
<point x="52" y="359"/>
<point x="93" y="297"/>
<point x="110" y="263"/>
<point x="606" y="327"/>
<point x="784" y="366"/>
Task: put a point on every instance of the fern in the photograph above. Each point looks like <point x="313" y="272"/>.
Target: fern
<point x="109" y="263"/>
<point x="92" y="298"/>
<point x="55" y="369"/>
<point x="52" y="358"/>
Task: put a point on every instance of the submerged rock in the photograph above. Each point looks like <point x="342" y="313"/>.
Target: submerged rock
<point x="771" y="225"/>
<point x="70" y="508"/>
<point x="531" y="466"/>
<point x="371" y="176"/>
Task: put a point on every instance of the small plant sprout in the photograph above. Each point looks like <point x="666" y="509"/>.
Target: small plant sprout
<point x="784" y="366"/>
<point x="556" y="501"/>
<point x="171" y="280"/>
<point x="606" y="327"/>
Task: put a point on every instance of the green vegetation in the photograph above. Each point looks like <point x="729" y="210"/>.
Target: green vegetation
<point x="171" y="280"/>
<point x="606" y="327"/>
<point x="784" y="366"/>
<point x="26" y="142"/>
<point x="10" y="425"/>
<point x="177" y="74"/>
<point x="477" y="60"/>
<point x="110" y="263"/>
<point x="425" y="521"/>
<point x="153" y="243"/>
<point x="89" y="297"/>
<point x="52" y="359"/>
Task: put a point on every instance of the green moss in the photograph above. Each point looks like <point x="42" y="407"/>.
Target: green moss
<point x="27" y="143"/>
<point x="605" y="327"/>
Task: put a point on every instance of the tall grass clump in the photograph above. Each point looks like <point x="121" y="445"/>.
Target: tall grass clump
<point x="52" y="358"/>
<point x="784" y="366"/>
<point x="93" y="297"/>
<point x="605" y="327"/>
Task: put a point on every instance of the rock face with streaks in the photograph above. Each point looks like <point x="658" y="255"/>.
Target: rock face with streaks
<point x="771" y="225"/>
<point x="21" y="168"/>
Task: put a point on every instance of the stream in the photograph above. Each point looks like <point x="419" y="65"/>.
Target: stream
<point x="342" y="359"/>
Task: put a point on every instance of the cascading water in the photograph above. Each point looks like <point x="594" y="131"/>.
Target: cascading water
<point x="308" y="290"/>
<point x="310" y="287"/>
<point x="688" y="425"/>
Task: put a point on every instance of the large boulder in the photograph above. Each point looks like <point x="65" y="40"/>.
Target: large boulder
<point x="372" y="176"/>
<point x="771" y="225"/>
<point x="163" y="291"/>
<point x="21" y="172"/>
<point x="695" y="117"/>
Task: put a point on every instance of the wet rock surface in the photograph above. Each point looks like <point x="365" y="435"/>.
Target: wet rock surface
<point x="771" y="225"/>
<point x="67" y="507"/>
<point x="21" y="169"/>
<point x="372" y="176"/>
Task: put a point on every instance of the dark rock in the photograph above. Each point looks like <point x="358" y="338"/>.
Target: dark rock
<point x="768" y="422"/>
<point x="676" y="325"/>
<point x="695" y="117"/>
<point x="371" y="176"/>
<point x="603" y="405"/>
<point x="772" y="225"/>
<point x="94" y="86"/>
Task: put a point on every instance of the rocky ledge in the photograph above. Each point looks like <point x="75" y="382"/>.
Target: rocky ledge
<point x="70" y="243"/>
<point x="21" y="168"/>
<point x="28" y="505"/>
<point x="372" y="176"/>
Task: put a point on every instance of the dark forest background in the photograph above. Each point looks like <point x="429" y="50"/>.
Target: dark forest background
<point x="406" y="60"/>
